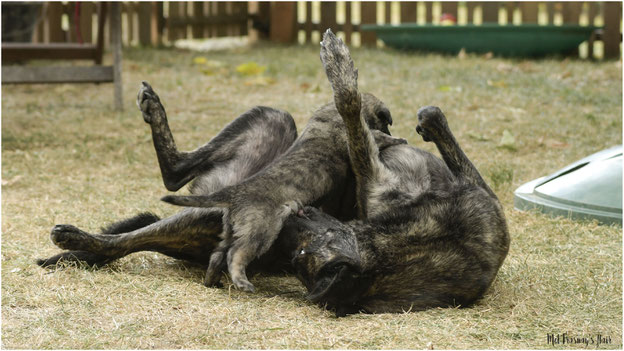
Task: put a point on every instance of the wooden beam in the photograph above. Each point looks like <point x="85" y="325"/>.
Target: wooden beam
<point x="328" y="16"/>
<point x="144" y="12"/>
<point x="612" y="35"/>
<point x="489" y="11"/>
<point x="115" y="23"/>
<point x="60" y="74"/>
<point x="12" y="52"/>
<point x="222" y="19"/>
<point x="408" y="12"/>
<point x="369" y="16"/>
<point x="283" y="21"/>
<point x="529" y="12"/>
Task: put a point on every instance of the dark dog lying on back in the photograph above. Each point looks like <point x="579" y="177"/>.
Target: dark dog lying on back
<point x="429" y="233"/>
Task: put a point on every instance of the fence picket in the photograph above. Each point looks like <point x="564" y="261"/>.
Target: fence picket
<point x="408" y="12"/>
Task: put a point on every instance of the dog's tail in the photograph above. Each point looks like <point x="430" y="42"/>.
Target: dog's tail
<point x="212" y="200"/>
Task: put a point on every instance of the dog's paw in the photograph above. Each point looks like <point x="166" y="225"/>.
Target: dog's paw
<point x="243" y="285"/>
<point x="148" y="102"/>
<point x="431" y="121"/>
<point x="341" y="73"/>
<point x="69" y="237"/>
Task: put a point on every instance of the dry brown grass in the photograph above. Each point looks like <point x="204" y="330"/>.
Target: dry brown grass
<point x="68" y="158"/>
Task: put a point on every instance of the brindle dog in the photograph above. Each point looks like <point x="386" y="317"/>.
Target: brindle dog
<point x="260" y="163"/>
<point x="430" y="233"/>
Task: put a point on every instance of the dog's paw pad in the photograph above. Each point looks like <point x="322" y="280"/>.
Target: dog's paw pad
<point x="431" y="121"/>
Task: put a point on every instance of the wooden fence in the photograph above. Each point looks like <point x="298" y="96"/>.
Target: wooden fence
<point x="346" y="17"/>
<point x="144" y="23"/>
<point x="155" y="23"/>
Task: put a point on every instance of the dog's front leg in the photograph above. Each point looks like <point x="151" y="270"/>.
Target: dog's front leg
<point x="363" y="151"/>
<point x="432" y="126"/>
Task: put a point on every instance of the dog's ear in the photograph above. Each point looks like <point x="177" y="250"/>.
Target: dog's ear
<point x="384" y="115"/>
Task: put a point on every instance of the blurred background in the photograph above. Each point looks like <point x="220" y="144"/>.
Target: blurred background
<point x="165" y="23"/>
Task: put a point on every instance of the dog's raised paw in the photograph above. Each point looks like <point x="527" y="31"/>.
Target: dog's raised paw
<point x="337" y="62"/>
<point x="431" y="121"/>
<point x="147" y="101"/>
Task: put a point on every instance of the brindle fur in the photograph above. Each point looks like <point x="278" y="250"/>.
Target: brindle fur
<point x="430" y="233"/>
<point x="237" y="155"/>
<point x="312" y="172"/>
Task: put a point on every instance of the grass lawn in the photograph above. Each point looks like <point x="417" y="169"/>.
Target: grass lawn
<point x="67" y="157"/>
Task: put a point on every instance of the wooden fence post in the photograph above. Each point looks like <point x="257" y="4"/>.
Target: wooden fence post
<point x="369" y="16"/>
<point x="283" y="21"/>
<point x="348" y="25"/>
<point x="53" y="31"/>
<point x="611" y="37"/>
<point x="115" y="23"/>
<point x="328" y="16"/>
<point x="529" y="12"/>
<point x="489" y="11"/>
<point x="408" y="12"/>
<point x="145" y="19"/>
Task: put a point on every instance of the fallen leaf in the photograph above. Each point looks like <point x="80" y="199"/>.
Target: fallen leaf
<point x="497" y="83"/>
<point x="208" y="71"/>
<point x="448" y="88"/>
<point x="261" y="81"/>
<point x="557" y="144"/>
<point x="250" y="69"/>
<point x="478" y="137"/>
<point x="200" y="60"/>
<point x="508" y="141"/>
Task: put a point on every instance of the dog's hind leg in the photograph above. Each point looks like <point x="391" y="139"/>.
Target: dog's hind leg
<point x="92" y="259"/>
<point x="241" y="149"/>
<point x="363" y="152"/>
<point x="432" y="126"/>
<point x="189" y="235"/>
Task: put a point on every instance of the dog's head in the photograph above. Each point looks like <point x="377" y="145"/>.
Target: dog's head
<point x="326" y="258"/>
<point x="375" y="113"/>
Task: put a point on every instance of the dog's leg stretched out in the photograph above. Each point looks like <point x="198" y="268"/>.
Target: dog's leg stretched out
<point x="241" y="149"/>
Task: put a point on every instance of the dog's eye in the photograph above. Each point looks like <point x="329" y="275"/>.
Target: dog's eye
<point x="302" y="252"/>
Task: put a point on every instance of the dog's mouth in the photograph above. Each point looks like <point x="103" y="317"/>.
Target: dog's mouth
<point x="331" y="281"/>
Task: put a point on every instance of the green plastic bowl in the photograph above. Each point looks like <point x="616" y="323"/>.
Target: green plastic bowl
<point x="527" y="40"/>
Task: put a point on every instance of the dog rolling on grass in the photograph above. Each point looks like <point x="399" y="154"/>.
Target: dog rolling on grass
<point x="430" y="233"/>
<point x="257" y="173"/>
